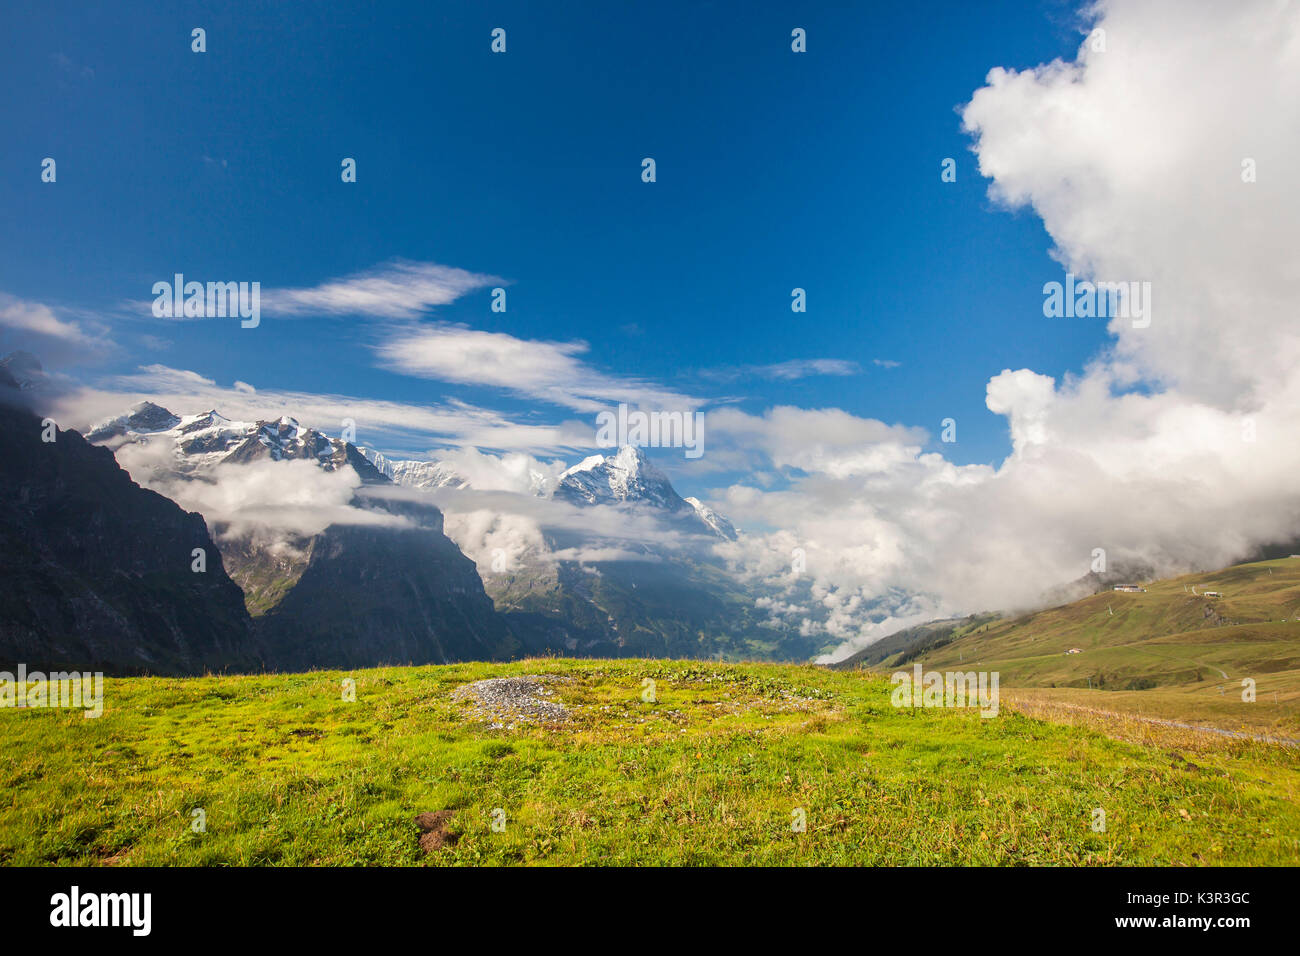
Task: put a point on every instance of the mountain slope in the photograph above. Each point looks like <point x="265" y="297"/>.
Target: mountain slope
<point x="391" y="588"/>
<point x="685" y="607"/>
<point x="425" y="475"/>
<point x="369" y="595"/>
<point x="674" y="602"/>
<point x="1169" y="634"/>
<point x="97" y="570"/>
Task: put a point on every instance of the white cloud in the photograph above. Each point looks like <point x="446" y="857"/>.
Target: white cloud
<point x="825" y="440"/>
<point x="398" y="290"/>
<point x="273" y="503"/>
<point x="379" y="423"/>
<point x="512" y="471"/>
<point x="549" y="371"/>
<point x="789" y="370"/>
<point x="496" y="540"/>
<point x="39" y="320"/>
<point x="1132" y="158"/>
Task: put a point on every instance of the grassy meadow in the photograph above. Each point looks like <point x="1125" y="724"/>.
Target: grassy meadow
<point x="718" y="768"/>
<point x="1167" y="653"/>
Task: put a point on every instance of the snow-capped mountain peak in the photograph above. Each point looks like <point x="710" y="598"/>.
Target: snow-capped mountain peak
<point x="428" y="475"/>
<point x="624" y="477"/>
<point x="719" y="523"/>
<point x="141" y="418"/>
<point x="209" y="438"/>
<point x="628" y="477"/>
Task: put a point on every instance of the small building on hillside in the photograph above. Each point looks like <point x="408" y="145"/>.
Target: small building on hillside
<point x="1211" y="594"/>
<point x="1131" y="588"/>
<point x="1075" y="650"/>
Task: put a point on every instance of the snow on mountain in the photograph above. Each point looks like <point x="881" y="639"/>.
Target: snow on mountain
<point x="719" y="524"/>
<point x="142" y="418"/>
<point x="427" y="475"/>
<point x="626" y="476"/>
<point x="209" y="438"/>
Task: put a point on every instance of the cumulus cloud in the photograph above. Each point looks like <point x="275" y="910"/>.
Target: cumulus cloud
<point x="513" y="471"/>
<point x="496" y="540"/>
<point x="1133" y="158"/>
<point x="1173" y="450"/>
<point x="826" y="440"/>
<point x="533" y="529"/>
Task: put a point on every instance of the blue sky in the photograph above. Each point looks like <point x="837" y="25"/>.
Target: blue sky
<point x="1159" y="156"/>
<point x="775" y="170"/>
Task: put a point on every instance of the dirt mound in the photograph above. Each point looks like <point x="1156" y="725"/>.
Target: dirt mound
<point x="435" y="835"/>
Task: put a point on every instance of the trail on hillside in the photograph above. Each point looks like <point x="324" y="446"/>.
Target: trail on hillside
<point x="1160" y="721"/>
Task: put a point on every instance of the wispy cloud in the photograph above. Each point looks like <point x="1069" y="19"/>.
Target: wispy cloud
<point x="40" y="319"/>
<point x="384" y="424"/>
<point x="548" y="371"/>
<point x="397" y="290"/>
<point x="54" y="335"/>
<point x="784" y="371"/>
<point x="69" y="66"/>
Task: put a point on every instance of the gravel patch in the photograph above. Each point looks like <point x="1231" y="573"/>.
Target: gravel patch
<point x="506" y="701"/>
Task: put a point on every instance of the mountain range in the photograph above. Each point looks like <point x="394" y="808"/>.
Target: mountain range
<point x="625" y="478"/>
<point x="99" y="561"/>
<point x="371" y="579"/>
<point x="392" y="587"/>
<point x="655" y="600"/>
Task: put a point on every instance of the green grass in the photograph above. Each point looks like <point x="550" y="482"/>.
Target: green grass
<point x="1168" y="652"/>
<point x="288" y="772"/>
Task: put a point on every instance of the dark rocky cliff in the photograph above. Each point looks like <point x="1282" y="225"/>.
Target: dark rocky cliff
<point x="97" y="570"/>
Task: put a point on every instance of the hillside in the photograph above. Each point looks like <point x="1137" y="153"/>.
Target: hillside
<point x="1170" y="649"/>
<point x="716" y="768"/>
<point x="902" y="646"/>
